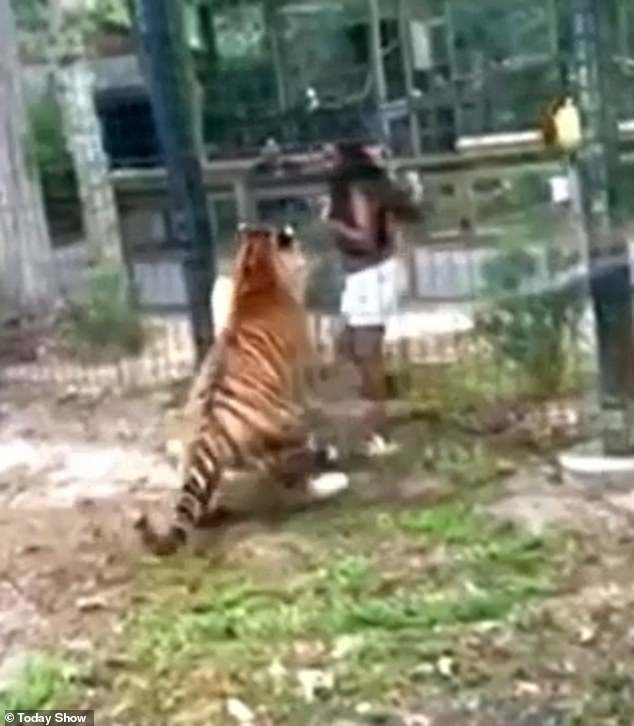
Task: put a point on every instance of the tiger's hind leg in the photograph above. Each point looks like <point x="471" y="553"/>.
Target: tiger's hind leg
<point x="290" y="467"/>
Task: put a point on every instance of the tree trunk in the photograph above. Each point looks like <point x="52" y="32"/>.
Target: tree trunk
<point x="27" y="274"/>
<point x="75" y="83"/>
<point x="75" y="86"/>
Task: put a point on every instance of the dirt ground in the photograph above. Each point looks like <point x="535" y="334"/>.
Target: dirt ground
<point x="68" y="478"/>
<point x="73" y="471"/>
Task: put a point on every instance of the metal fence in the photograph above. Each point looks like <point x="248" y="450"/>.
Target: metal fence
<point x="495" y="307"/>
<point x="494" y="310"/>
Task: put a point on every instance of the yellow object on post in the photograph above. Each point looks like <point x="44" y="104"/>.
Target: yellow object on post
<point x="561" y="125"/>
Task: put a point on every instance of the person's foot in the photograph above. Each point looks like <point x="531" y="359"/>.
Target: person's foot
<point x="380" y="445"/>
<point x="328" y="485"/>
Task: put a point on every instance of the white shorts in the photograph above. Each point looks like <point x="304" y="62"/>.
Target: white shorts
<point x="371" y="296"/>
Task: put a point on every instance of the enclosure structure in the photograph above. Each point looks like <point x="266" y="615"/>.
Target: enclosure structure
<point x="417" y="75"/>
<point x="454" y="90"/>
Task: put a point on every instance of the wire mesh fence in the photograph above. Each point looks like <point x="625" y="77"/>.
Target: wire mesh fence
<point x="494" y="313"/>
<point x="495" y="309"/>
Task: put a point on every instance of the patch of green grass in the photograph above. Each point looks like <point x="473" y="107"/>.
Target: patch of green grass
<point x="483" y="379"/>
<point x="466" y="465"/>
<point x="422" y="610"/>
<point x="354" y="590"/>
<point x="103" y="323"/>
<point x="40" y="685"/>
<point x="405" y="586"/>
<point x="449" y="389"/>
<point x="452" y="523"/>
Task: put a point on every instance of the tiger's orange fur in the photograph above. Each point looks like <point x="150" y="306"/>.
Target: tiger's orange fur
<point x="247" y="398"/>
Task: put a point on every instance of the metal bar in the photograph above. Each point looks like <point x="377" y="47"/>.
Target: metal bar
<point x="277" y="52"/>
<point x="408" y="72"/>
<point x="167" y="65"/>
<point x="378" y="68"/>
<point x="454" y="70"/>
<point x="594" y="37"/>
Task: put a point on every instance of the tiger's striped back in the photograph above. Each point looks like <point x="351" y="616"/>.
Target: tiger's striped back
<point x="245" y="401"/>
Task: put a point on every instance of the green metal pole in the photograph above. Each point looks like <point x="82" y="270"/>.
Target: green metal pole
<point x="378" y="67"/>
<point x="594" y="35"/>
<point x="167" y="66"/>
<point x="408" y="73"/>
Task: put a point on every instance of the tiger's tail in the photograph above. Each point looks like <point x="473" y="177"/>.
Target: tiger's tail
<point x="201" y="480"/>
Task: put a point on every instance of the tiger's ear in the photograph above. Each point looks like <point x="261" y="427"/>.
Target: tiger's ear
<point x="285" y="237"/>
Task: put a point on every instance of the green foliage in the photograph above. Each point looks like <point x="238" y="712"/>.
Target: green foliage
<point x="30" y="15"/>
<point x="104" y="321"/>
<point x="240" y="33"/>
<point x="113" y="13"/>
<point x="466" y="465"/>
<point x="381" y="596"/>
<point x="518" y="34"/>
<point x="46" y="136"/>
<point x="80" y="25"/>
<point x="475" y="382"/>
<point x="533" y="331"/>
<point x="447" y="523"/>
<point x="353" y="590"/>
<point x="41" y="682"/>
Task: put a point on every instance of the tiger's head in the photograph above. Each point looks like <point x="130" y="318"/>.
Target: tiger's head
<point x="270" y="260"/>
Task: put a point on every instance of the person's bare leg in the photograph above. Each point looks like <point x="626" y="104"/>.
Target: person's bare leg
<point x="372" y="368"/>
<point x="375" y="389"/>
<point x="343" y="343"/>
<point x="370" y="361"/>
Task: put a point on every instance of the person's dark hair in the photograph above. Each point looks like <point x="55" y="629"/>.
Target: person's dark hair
<point x="356" y="166"/>
<point x="355" y="152"/>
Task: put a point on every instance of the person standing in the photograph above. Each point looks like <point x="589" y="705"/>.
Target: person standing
<point x="363" y="205"/>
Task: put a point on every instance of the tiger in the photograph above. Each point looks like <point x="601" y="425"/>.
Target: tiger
<point x="247" y="403"/>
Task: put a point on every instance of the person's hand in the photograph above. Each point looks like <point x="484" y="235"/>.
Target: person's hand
<point x="324" y="207"/>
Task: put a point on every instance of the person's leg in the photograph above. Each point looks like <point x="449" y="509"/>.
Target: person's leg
<point x="370" y="360"/>
<point x="368" y="355"/>
<point x="344" y="343"/>
<point x="362" y="342"/>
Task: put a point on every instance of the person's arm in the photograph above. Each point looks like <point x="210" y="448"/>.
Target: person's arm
<point x="401" y="204"/>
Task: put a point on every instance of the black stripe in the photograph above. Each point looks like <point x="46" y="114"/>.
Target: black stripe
<point x="236" y="453"/>
<point x="225" y="403"/>
<point x="201" y="465"/>
<point x="194" y="497"/>
<point x="183" y="510"/>
<point x="268" y="429"/>
<point x="191" y="487"/>
<point x="266" y="344"/>
<point x="209" y="452"/>
<point x="270" y="339"/>
<point x="267" y="390"/>
<point x="268" y="397"/>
